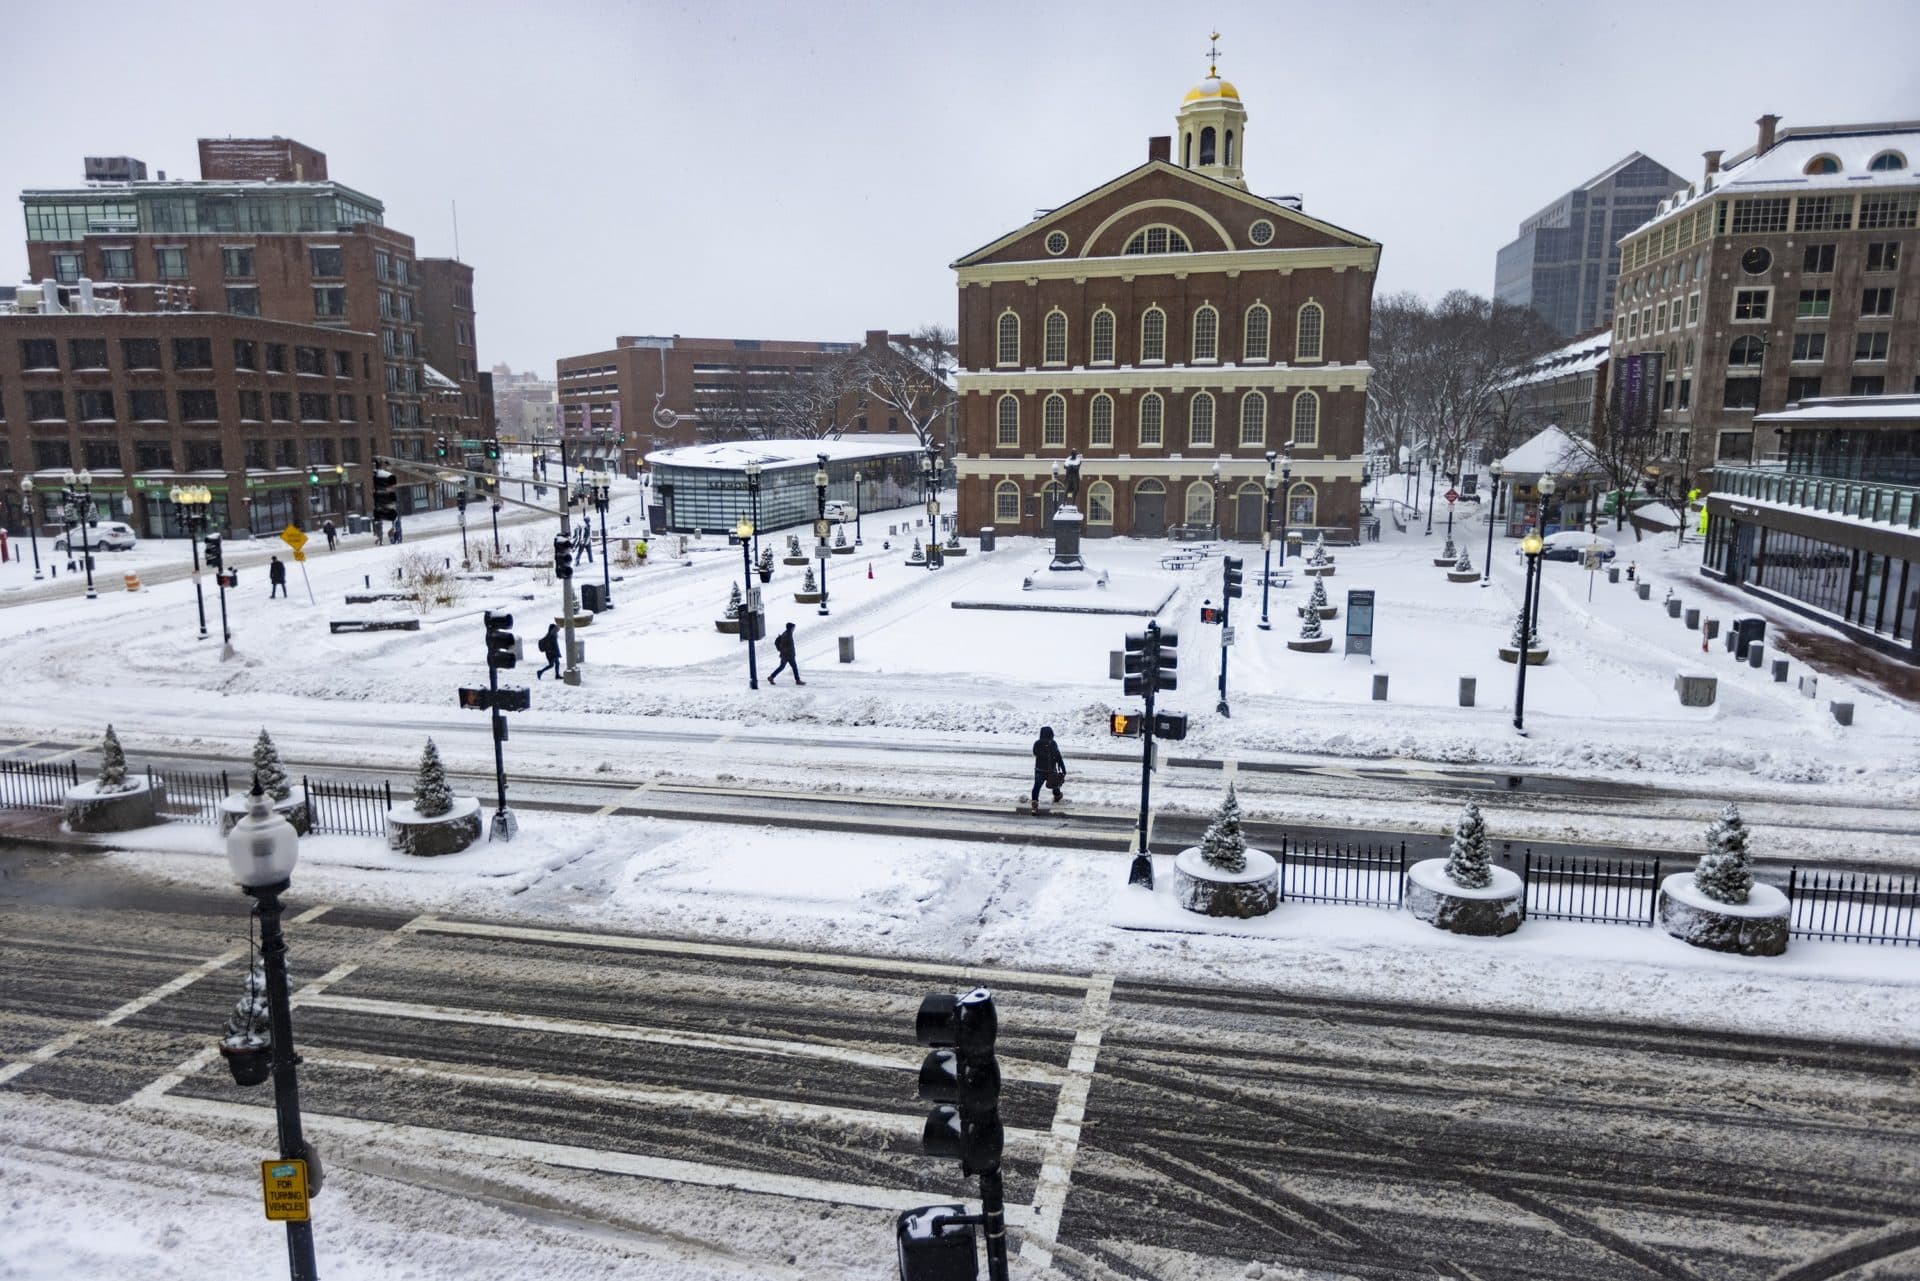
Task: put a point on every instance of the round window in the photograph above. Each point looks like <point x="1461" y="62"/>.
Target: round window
<point x="1261" y="233"/>
<point x="1056" y="242"/>
<point x="1756" y="260"/>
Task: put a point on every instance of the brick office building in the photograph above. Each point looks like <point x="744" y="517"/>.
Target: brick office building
<point x="264" y="232"/>
<point x="280" y="421"/>
<point x="1165" y="324"/>
<point x="448" y="343"/>
<point x="1786" y="274"/>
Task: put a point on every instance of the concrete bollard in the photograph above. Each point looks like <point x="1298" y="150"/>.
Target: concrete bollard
<point x="1467" y="684"/>
<point x="1645" y="590"/>
<point x="1116" y="664"/>
<point x="1842" y="712"/>
<point x="1711" y="627"/>
<point x="1379" y="687"/>
<point x="1754" y="653"/>
<point x="1780" y="670"/>
<point x="1696" y="691"/>
<point x="1810" y="686"/>
<point x="1673" y="607"/>
<point x="846" y="649"/>
<point x="1692" y="620"/>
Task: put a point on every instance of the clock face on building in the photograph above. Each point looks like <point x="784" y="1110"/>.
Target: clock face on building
<point x="1756" y="260"/>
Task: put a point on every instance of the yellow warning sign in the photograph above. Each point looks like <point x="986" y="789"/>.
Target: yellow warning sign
<point x="283" y="1187"/>
<point x="299" y="555"/>
<point x="293" y="538"/>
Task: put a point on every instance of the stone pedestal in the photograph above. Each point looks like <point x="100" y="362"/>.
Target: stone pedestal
<point x="1067" y="526"/>
<point x="1535" y="657"/>
<point x="1757" y="927"/>
<point x="1253" y="891"/>
<point x="411" y="833"/>
<point x="1497" y="909"/>
<point x="294" y="809"/>
<point x="91" y="810"/>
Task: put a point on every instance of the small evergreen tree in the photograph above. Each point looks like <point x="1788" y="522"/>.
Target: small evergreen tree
<point x="268" y="774"/>
<point x="840" y="536"/>
<point x="808" y="584"/>
<point x="1465" y="564"/>
<point x="793" y="544"/>
<point x="1726" y="873"/>
<point x="1467" y="863"/>
<point x="431" y="795"/>
<point x="1310" y="625"/>
<point x="733" y="601"/>
<point x="113" y="764"/>
<point x="917" y="553"/>
<point x="1225" y="846"/>
<point x="1447" y="552"/>
<point x="766" y="559"/>
<point x="1317" y="601"/>
<point x="1319" y="556"/>
<point x="1513" y="639"/>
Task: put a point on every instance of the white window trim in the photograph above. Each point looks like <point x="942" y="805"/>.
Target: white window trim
<point x="1139" y="422"/>
<point x="1113" y="418"/>
<point x="1193" y="337"/>
<point x="1213" y="425"/>
<point x="1065" y="425"/>
<point x="1301" y="311"/>
<point x="1066" y="339"/>
<point x="1293" y="423"/>
<point x="1019" y="500"/>
<point x="1240" y="422"/>
<point x="1161" y="359"/>
<point x="1246" y="357"/>
<point x="998" y="443"/>
<point x="1093" y="518"/>
<point x="998" y="322"/>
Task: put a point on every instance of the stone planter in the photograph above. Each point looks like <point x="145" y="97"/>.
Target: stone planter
<point x="844" y="551"/>
<point x="793" y="560"/>
<point x="294" y="809"/>
<point x="953" y="549"/>
<point x="447" y="833"/>
<point x="727" y="626"/>
<point x="1253" y="891"/>
<point x="1441" y="562"/>
<point x="766" y="575"/>
<point x="806" y="598"/>
<point x="1498" y="909"/>
<point x="91" y="810"/>
<point x="1320" y="646"/>
<point x="1757" y="927"/>
<point x="1535" y="657"/>
<point x="1325" y="611"/>
<point x="1318" y="571"/>
<point x="1470" y="576"/>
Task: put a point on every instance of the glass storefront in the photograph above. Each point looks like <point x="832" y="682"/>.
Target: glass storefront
<point x="714" y="500"/>
<point x="1876" y="453"/>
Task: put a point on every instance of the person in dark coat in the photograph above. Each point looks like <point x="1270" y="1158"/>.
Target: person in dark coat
<point x="783" y="646"/>
<point x="333" y="535"/>
<point x="550" y="646"/>
<point x="277" y="576"/>
<point x="1049" y="767"/>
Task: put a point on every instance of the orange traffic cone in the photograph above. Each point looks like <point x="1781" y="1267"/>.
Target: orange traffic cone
<point x="869" y="569"/>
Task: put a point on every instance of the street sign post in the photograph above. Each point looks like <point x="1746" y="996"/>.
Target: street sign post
<point x="283" y="1190"/>
<point x="294" y="538"/>
<point x="1360" y="622"/>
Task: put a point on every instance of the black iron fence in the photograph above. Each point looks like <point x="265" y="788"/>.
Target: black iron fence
<point x="1854" y="907"/>
<point x="192" y="796"/>
<point x="36" y="785"/>
<point x="1618" y="890"/>
<point x="347" y="809"/>
<point x="1337" y="872"/>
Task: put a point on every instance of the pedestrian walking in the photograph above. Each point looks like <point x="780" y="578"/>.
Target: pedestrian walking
<point x="333" y="535"/>
<point x="394" y="537"/>
<point x="783" y="646"/>
<point x="1049" y="768"/>
<point x="550" y="646"/>
<point x="277" y="576"/>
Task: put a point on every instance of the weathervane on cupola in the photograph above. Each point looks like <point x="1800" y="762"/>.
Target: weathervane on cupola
<point x="1212" y="125"/>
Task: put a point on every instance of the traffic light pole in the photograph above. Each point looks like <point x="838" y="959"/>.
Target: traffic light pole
<point x="1226" y="626"/>
<point x="993" y="1213"/>
<point x="1141" y="872"/>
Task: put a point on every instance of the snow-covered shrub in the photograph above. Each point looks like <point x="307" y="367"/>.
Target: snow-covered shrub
<point x="840" y="536"/>
<point x="1317" y="601"/>
<point x="1513" y="639"/>
<point x="269" y="775"/>
<point x="1225" y="846"/>
<point x="733" y="601"/>
<point x="1448" y="552"/>
<point x="1465" y="564"/>
<point x="1310" y="625"/>
<point x="431" y="795"/>
<point x="250" y="1026"/>
<point x="807" y="584"/>
<point x="113" y="765"/>
<point x="1726" y="872"/>
<point x="431" y="579"/>
<point x="766" y="559"/>
<point x="1467" y="862"/>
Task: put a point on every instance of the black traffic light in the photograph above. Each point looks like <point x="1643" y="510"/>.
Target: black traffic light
<point x="211" y="548"/>
<point x="1137" y="664"/>
<point x="1232" y="565"/>
<point x="460" y="501"/>
<point x="562" y="557"/>
<point x="439" y="446"/>
<point x="1165" y="667"/>
<point x="500" y="642"/>
<point x="1171" y="726"/>
<point x="963" y="1077"/>
<point x="493" y="451"/>
<point x="936" y="1244"/>
<point x="386" y="496"/>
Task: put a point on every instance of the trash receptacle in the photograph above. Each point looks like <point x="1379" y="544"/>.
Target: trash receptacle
<point x="1746" y="631"/>
<point x="592" y="598"/>
<point x="846" y="649"/>
<point x="357" y="524"/>
<point x="1468" y="685"/>
<point x="986" y="538"/>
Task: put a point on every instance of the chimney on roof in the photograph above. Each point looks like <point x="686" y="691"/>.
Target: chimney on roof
<point x="1160" y="148"/>
<point x="1767" y="124"/>
<point x="1713" y="167"/>
<point x="876" y="338"/>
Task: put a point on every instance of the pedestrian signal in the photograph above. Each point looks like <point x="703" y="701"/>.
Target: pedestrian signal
<point x="1125" y="725"/>
<point x="1208" y="614"/>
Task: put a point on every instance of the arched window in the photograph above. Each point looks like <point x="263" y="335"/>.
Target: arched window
<point x="1253" y="418"/>
<point x="1229" y="147"/>
<point x="1747" y="353"/>
<point x="1200" y="420"/>
<point x="1312" y="323"/>
<point x="1887" y="162"/>
<point x="1153" y="419"/>
<point x="1158" y="240"/>
<point x="1149" y="486"/>
<point x="1100" y="503"/>
<point x="1103" y="337"/>
<point x="1100" y="422"/>
<point x="1009" y="353"/>
<point x="1006" y="503"/>
<point x="1306" y="421"/>
<point x="1822" y="164"/>
<point x="1200" y="503"/>
<point x="1302" y="504"/>
<point x="1206" y="334"/>
<point x="1259" y="332"/>
<point x="1206" y="145"/>
<point x="1153" y="336"/>
<point x="1053" y="421"/>
<point x="1007" y="414"/>
<point x="1055" y="346"/>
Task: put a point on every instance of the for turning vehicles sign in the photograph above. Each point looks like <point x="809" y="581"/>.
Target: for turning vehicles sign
<point x="283" y="1187"/>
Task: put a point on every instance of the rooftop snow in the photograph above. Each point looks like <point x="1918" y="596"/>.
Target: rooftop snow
<point x="1550" y="450"/>
<point x="1581" y="356"/>
<point x="732" y="455"/>
<point x="439" y="380"/>
<point x="1847" y="409"/>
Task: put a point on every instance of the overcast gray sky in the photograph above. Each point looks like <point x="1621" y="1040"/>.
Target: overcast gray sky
<point x="809" y="170"/>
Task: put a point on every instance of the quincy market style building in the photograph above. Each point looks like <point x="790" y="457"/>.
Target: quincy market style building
<point x="1172" y="328"/>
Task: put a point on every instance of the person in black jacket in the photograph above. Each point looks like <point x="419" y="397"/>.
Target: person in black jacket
<point x="277" y="577"/>
<point x="1049" y="767"/>
<point x="783" y="646"/>
<point x="550" y="648"/>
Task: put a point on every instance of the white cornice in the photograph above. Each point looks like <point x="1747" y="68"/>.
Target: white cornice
<point x="1175" y="378"/>
<point x="1126" y="266"/>
<point x="1113" y="467"/>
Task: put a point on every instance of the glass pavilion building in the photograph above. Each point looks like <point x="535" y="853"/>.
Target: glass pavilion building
<point x="703" y="488"/>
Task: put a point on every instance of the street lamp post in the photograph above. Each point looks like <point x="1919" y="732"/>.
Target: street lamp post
<point x="601" y="493"/>
<point x="1493" y="516"/>
<point x="1546" y="488"/>
<point x="857" y="478"/>
<point x="78" y="502"/>
<point x="1531" y="545"/>
<point x="190" y="504"/>
<point x="262" y="850"/>
<point x="820" y="552"/>
<point x="749" y="616"/>
<point x="753" y="506"/>
<point x="33" y="523"/>
<point x="1266" y="541"/>
<point x="1216" y="498"/>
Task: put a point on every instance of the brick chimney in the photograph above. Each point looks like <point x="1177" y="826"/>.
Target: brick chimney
<point x="1713" y="167"/>
<point x="1767" y="124"/>
<point x="1160" y="148"/>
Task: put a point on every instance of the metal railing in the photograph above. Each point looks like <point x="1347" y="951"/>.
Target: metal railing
<point x="347" y="809"/>
<point x="1854" y="907"/>
<point x="1367" y="875"/>
<point x="192" y="797"/>
<point x="1868" y="500"/>
<point x="36" y="785"/>
<point x="1621" y="891"/>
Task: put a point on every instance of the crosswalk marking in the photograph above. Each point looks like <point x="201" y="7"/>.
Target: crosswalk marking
<point x="1063" y="1145"/>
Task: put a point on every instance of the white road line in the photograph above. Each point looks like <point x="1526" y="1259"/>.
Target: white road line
<point x="625" y="800"/>
<point x="68" y="1040"/>
<point x="704" y="1101"/>
<point x="769" y="956"/>
<point x="1056" y="1168"/>
<point x="563" y="1156"/>
<point x="55" y="757"/>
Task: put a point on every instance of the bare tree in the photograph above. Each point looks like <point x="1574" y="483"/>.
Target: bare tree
<point x="725" y="406"/>
<point x="813" y="403"/>
<point x="912" y="377"/>
<point x="1391" y="386"/>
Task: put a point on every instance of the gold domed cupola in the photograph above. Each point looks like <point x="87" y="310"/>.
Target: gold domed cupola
<point x="1212" y="126"/>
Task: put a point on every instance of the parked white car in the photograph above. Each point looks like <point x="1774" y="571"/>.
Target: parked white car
<point x="838" y="512"/>
<point x="1573" y="544"/>
<point x="102" y="536"/>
